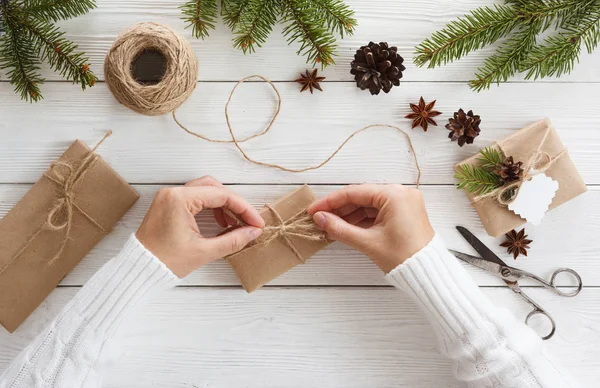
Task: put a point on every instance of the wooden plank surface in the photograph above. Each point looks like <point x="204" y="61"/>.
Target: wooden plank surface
<point x="403" y="24"/>
<point x="567" y="237"/>
<point x="310" y="127"/>
<point x="305" y="337"/>
<point x="329" y="322"/>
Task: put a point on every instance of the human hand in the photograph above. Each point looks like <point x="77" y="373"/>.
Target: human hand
<point x="388" y="223"/>
<point x="170" y="232"/>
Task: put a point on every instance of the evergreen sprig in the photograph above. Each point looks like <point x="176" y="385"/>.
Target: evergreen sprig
<point x="311" y="23"/>
<point x="480" y="179"/>
<point x="30" y="38"/>
<point x="520" y="23"/>
<point x="476" y="180"/>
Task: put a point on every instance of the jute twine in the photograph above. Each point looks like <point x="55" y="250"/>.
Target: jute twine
<point x="178" y="82"/>
<point x="237" y="141"/>
<point x="65" y="176"/>
<point x="300" y="225"/>
<point x="538" y="163"/>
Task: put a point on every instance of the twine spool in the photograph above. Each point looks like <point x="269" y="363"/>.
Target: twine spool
<point x="176" y="85"/>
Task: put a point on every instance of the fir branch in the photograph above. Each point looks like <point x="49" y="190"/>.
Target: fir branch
<point x="476" y="180"/>
<point x="490" y="158"/>
<point x="201" y="15"/>
<point x="254" y="24"/>
<point x="473" y="31"/>
<point x="17" y="56"/>
<point x="59" y="52"/>
<point x="54" y="10"/>
<point x="317" y="43"/>
<point x="559" y="54"/>
<point x="338" y="15"/>
<point x="505" y="63"/>
<point x="232" y="11"/>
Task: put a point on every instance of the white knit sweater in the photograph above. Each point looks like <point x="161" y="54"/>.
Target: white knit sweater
<point x="488" y="346"/>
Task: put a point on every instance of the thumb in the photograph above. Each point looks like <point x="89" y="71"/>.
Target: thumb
<point x="339" y="230"/>
<point x="230" y="242"/>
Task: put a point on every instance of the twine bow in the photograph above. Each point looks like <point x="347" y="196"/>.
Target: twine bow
<point x="300" y="225"/>
<point x="538" y="163"/>
<point x="60" y="215"/>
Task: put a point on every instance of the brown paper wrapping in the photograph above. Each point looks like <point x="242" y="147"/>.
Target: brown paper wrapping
<point x="497" y="219"/>
<point x="257" y="265"/>
<point x="26" y="279"/>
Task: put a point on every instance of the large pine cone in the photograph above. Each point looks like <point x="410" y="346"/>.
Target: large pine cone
<point x="463" y="128"/>
<point x="376" y="67"/>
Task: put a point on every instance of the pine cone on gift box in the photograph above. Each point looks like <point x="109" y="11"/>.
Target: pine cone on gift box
<point x="509" y="171"/>
<point x="463" y="127"/>
<point x="376" y="67"/>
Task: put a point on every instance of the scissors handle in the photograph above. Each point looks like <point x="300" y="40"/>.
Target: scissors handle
<point x="551" y="285"/>
<point x="574" y="274"/>
<point x="537" y="310"/>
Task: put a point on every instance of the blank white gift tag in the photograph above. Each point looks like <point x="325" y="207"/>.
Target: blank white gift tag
<point x="534" y="198"/>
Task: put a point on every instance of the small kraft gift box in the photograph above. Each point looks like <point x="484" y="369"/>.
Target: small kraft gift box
<point x="60" y="219"/>
<point x="541" y="151"/>
<point x="289" y="238"/>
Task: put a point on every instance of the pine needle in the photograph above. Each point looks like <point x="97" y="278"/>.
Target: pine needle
<point x="490" y="158"/>
<point x="201" y="15"/>
<point x="476" y="180"/>
<point x="577" y="23"/>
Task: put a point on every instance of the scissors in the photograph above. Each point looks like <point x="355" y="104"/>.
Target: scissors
<point x="491" y="263"/>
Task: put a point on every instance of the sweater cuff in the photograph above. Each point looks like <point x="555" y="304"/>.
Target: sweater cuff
<point x="435" y="279"/>
<point x="135" y="273"/>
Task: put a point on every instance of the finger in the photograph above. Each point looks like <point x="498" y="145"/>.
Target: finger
<point x="231" y="221"/>
<point x="208" y="197"/>
<point x="206" y="180"/>
<point x="367" y="223"/>
<point x="360" y="214"/>
<point x="345" y="210"/>
<point x="220" y="217"/>
<point x="230" y="242"/>
<point x="361" y="195"/>
<point x="339" y="230"/>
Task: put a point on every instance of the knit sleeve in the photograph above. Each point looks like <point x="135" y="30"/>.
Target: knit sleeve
<point x="488" y="346"/>
<point x="68" y="352"/>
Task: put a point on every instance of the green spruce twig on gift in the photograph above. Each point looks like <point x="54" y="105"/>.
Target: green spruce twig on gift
<point x="29" y="37"/>
<point x="311" y="23"/>
<point x="576" y="23"/>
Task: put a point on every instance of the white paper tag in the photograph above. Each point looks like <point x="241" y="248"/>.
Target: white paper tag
<point x="534" y="198"/>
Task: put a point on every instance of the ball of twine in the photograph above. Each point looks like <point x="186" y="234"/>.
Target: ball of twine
<point x="176" y="85"/>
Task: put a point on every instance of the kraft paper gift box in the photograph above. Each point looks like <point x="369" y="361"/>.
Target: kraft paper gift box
<point x="258" y="263"/>
<point x="541" y="135"/>
<point x="58" y="221"/>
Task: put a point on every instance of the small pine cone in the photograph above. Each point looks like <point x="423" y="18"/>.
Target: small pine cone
<point x="376" y="67"/>
<point x="509" y="171"/>
<point x="463" y="127"/>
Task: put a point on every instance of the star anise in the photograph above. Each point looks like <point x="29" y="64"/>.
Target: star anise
<point x="516" y="243"/>
<point x="310" y="81"/>
<point x="422" y="114"/>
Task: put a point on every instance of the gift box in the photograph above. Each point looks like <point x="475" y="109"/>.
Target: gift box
<point x="539" y="142"/>
<point x="289" y="238"/>
<point x="60" y="219"/>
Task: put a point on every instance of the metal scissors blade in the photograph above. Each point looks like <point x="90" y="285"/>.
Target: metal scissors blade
<point x="481" y="248"/>
<point x="486" y="265"/>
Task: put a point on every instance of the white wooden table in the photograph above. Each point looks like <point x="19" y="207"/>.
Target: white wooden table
<point x="332" y="322"/>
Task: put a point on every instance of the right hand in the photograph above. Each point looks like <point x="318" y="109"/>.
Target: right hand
<point x="388" y="223"/>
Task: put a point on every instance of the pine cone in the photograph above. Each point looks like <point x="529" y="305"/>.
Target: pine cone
<point x="509" y="171"/>
<point x="376" y="67"/>
<point x="463" y="127"/>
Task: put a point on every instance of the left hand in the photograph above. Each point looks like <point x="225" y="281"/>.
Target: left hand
<point x="170" y="232"/>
